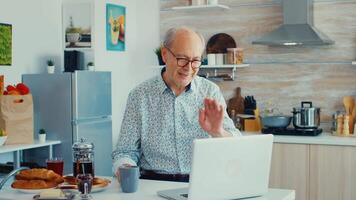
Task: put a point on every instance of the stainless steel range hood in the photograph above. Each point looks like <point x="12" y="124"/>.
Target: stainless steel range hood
<point x="297" y="28"/>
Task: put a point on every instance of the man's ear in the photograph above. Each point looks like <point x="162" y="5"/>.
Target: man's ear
<point x="164" y="53"/>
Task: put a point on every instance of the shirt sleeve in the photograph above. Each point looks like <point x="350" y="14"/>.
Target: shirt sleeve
<point x="228" y="124"/>
<point x="129" y="143"/>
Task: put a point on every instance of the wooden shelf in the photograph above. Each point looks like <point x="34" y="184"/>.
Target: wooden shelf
<point x="79" y="49"/>
<point x="202" y="7"/>
<point x="20" y="147"/>
<point x="214" y="66"/>
<point x="217" y="67"/>
<point x="225" y="66"/>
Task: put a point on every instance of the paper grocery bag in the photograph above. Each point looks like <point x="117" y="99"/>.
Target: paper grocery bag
<point x="16" y="118"/>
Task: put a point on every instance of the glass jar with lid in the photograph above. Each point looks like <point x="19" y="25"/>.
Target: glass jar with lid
<point x="234" y="55"/>
<point x="83" y="158"/>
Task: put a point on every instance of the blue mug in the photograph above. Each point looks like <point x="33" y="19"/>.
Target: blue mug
<point x="129" y="176"/>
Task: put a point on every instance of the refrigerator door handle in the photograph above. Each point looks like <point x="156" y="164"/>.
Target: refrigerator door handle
<point x="91" y="120"/>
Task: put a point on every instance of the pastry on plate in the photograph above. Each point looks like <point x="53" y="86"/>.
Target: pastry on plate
<point x="38" y="174"/>
<point x="36" y="179"/>
<point x="33" y="184"/>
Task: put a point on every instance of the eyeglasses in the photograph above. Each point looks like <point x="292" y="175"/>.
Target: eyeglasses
<point x="182" y="62"/>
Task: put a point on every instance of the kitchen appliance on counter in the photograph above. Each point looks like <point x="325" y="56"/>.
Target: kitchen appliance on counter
<point x="70" y="106"/>
<point x="292" y="131"/>
<point x="306" y="121"/>
<point x="83" y="158"/>
<point x="306" y="117"/>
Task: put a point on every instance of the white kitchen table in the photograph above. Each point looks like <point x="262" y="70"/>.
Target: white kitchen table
<point x="147" y="191"/>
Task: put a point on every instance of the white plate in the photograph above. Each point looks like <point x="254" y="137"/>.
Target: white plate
<point x="38" y="191"/>
<point x="93" y="189"/>
<point x="99" y="189"/>
<point x="30" y="191"/>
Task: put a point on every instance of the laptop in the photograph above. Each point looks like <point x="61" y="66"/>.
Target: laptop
<point x="227" y="168"/>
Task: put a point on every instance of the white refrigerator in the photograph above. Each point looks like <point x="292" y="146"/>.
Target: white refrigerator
<point x="70" y="106"/>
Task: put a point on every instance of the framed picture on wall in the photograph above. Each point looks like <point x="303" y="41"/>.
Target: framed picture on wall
<point x="5" y="44"/>
<point x="115" y="27"/>
<point x="77" y="23"/>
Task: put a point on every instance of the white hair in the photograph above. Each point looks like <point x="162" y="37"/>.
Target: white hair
<point x="171" y="33"/>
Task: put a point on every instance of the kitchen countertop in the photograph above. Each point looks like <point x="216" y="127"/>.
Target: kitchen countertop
<point x="324" y="138"/>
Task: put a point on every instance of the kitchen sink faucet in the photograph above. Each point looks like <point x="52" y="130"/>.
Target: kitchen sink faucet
<point x="12" y="173"/>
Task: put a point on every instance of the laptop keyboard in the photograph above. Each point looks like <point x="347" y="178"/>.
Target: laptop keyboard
<point x="184" y="195"/>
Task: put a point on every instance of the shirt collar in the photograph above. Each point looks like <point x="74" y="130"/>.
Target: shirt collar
<point x="163" y="85"/>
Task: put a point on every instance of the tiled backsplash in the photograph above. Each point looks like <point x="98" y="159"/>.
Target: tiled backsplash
<point x="283" y="75"/>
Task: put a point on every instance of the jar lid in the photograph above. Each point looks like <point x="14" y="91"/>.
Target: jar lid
<point x="82" y="144"/>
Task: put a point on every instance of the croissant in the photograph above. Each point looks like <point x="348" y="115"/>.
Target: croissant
<point x="33" y="184"/>
<point x="37" y="179"/>
<point x="39" y="174"/>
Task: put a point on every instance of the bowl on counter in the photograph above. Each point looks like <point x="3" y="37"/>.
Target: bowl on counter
<point x="277" y="121"/>
<point x="2" y="140"/>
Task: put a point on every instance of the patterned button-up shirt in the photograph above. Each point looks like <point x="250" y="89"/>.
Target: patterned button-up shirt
<point x="159" y="127"/>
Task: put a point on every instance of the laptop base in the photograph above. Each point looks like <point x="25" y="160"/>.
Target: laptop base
<point x="174" y="194"/>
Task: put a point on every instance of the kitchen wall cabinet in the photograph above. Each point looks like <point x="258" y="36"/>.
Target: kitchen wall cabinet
<point x="290" y="168"/>
<point x="316" y="172"/>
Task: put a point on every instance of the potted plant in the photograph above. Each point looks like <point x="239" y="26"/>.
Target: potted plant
<point x="42" y="135"/>
<point x="73" y="33"/>
<point x="159" y="56"/>
<point x="50" y="66"/>
<point x="90" y="66"/>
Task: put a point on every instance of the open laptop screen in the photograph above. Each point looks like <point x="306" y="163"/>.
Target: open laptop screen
<point x="228" y="168"/>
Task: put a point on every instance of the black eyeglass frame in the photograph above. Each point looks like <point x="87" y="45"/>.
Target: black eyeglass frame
<point x="186" y="60"/>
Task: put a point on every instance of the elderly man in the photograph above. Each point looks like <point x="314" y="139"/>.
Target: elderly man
<point x="166" y="113"/>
